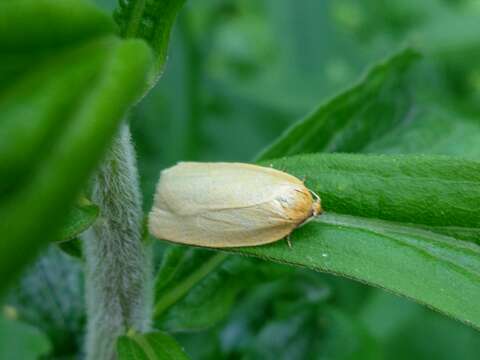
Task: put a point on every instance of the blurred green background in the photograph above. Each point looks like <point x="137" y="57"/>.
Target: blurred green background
<point x="239" y="73"/>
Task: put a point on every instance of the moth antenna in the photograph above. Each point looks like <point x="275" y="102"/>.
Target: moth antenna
<point x="315" y="195"/>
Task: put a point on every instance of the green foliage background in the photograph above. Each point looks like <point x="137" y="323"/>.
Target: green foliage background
<point x="239" y="73"/>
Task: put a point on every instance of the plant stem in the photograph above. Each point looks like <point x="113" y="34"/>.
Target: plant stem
<point x="182" y="288"/>
<point x="118" y="267"/>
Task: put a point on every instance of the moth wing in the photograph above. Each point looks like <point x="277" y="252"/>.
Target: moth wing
<point x="195" y="188"/>
<point x="223" y="228"/>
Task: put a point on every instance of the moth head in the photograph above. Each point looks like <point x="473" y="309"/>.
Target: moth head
<point x="317" y="205"/>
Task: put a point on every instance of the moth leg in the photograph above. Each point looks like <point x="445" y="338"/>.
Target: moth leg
<point x="289" y="243"/>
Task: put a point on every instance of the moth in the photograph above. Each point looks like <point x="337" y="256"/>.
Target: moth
<point x="229" y="204"/>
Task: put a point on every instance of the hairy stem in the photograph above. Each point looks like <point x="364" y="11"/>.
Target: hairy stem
<point x="118" y="268"/>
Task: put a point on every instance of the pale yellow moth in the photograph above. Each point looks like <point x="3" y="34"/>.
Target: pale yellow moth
<point x="229" y="204"/>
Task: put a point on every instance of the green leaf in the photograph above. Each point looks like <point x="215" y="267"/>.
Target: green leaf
<point x="151" y="21"/>
<point x="440" y="193"/>
<point x="350" y="120"/>
<point x="438" y="271"/>
<point x="81" y="217"/>
<point x="21" y="341"/>
<point x="36" y="104"/>
<point x="376" y="240"/>
<point x="58" y="112"/>
<point x="433" y="130"/>
<point x="152" y="346"/>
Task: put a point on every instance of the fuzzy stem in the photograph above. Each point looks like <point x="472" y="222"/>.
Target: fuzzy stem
<point x="118" y="267"/>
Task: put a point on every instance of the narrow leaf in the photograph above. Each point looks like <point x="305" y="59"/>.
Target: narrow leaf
<point x="435" y="270"/>
<point x="377" y="210"/>
<point x="441" y="193"/>
<point x="63" y="108"/>
<point x="350" y="120"/>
